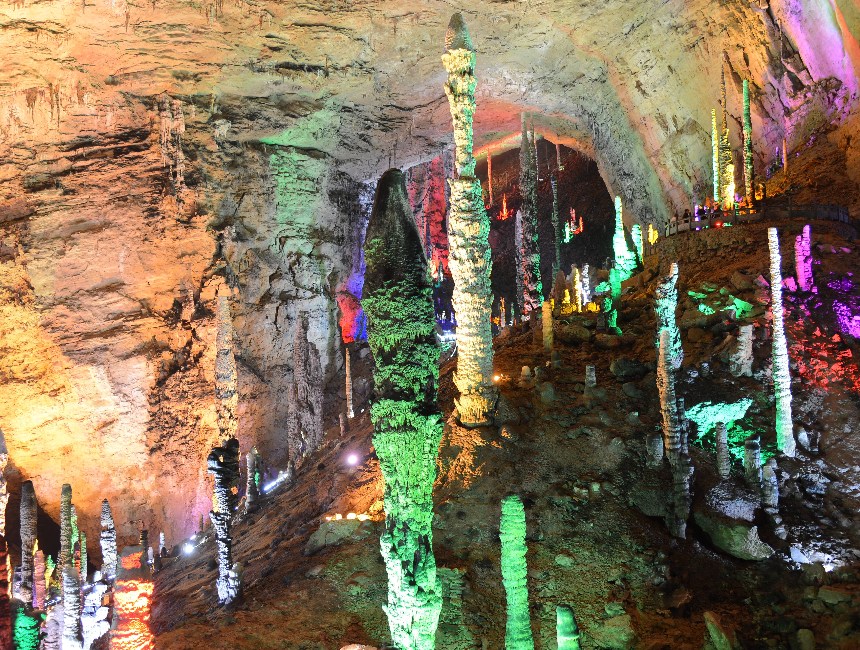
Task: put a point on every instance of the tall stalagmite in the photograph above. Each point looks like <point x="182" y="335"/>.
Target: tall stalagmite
<point x="5" y="611"/>
<point x="107" y="540"/>
<point x="39" y="587"/>
<point x="252" y="479"/>
<point x="748" y="146"/>
<point x="625" y="259"/>
<point x="28" y="540"/>
<point x="781" y="376"/>
<point x="665" y="305"/>
<point x="305" y="426"/>
<point x="668" y="402"/>
<point x="518" y="630"/>
<point x="727" y="163"/>
<point x="803" y="259"/>
<point x="556" y="235"/>
<point x="73" y="636"/>
<point x="715" y="146"/>
<point x="66" y="549"/>
<point x="406" y="420"/>
<point x="532" y="295"/>
<point x="469" y="229"/>
<point x="226" y="377"/>
<point x="350" y="412"/>
<point x="566" y="630"/>
<point x="223" y="462"/>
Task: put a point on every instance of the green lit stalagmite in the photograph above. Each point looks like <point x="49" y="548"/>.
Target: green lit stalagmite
<point x="566" y="629"/>
<point x="406" y="421"/>
<point x="518" y="631"/>
<point x="468" y="234"/>
<point x="781" y="375"/>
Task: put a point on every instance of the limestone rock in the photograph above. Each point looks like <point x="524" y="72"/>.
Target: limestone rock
<point x="735" y="538"/>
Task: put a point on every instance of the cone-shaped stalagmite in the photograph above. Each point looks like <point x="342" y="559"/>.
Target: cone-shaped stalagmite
<point x="518" y="630"/>
<point x="28" y="540"/>
<point x="556" y="235"/>
<point x="469" y="229"/>
<point x="223" y="462"/>
<point x="748" y="147"/>
<point x="73" y="637"/>
<point x="668" y="403"/>
<point x="107" y="540"/>
<point x="724" y="460"/>
<point x="532" y="296"/>
<point x="781" y="376"/>
<point x="66" y="550"/>
<point x="665" y="304"/>
<point x="566" y="629"/>
<point x="407" y="425"/>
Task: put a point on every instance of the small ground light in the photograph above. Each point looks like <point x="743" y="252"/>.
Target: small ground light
<point x="187" y="548"/>
<point x="352" y="459"/>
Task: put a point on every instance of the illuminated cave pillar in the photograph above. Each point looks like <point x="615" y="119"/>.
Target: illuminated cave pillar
<point x="668" y="401"/>
<point x="73" y="635"/>
<point x="638" y="241"/>
<point x="715" y="146"/>
<point x="350" y="412"/>
<point x="28" y="541"/>
<point x="226" y="376"/>
<point x="223" y="463"/>
<point x="665" y="305"/>
<point x="625" y="259"/>
<point x="5" y="611"/>
<point x="781" y="376"/>
<point x="556" y="236"/>
<point x="107" y="541"/>
<point x="398" y="301"/>
<point x="532" y="296"/>
<point x="66" y="544"/>
<point x="470" y="259"/>
<point x="727" y="163"/>
<point x="748" y="146"/>
<point x="132" y="599"/>
<point x="518" y="629"/>
<point x="566" y="630"/>
<point x="803" y="260"/>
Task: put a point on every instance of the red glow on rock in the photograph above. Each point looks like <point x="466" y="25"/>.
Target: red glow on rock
<point x="132" y="603"/>
<point x="350" y="309"/>
<point x="504" y="214"/>
<point x="133" y="561"/>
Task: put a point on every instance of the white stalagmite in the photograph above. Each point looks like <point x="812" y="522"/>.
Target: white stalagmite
<point x="586" y="285"/>
<point x="740" y="361"/>
<point x="349" y="411"/>
<point x="252" y="484"/>
<point x="590" y="377"/>
<point x="770" y="486"/>
<point x="638" y="240"/>
<point x="470" y="260"/>
<point x="752" y="461"/>
<point x="665" y="304"/>
<point x="223" y="463"/>
<point x="803" y="260"/>
<point x="73" y="638"/>
<point x="781" y="376"/>
<point x="107" y="540"/>
<point x="546" y="320"/>
<point x="668" y="402"/>
<point x="724" y="461"/>
<point x="28" y="540"/>
<point x="66" y="550"/>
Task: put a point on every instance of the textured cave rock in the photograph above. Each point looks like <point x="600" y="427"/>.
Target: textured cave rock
<point x="125" y="145"/>
<point x="28" y="540"/>
<point x="107" y="541"/>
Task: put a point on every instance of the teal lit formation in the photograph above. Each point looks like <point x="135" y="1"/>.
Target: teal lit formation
<point x="468" y="234"/>
<point x="532" y="295"/>
<point x="665" y="304"/>
<point x="748" y="147"/>
<point x="566" y="629"/>
<point x="625" y="259"/>
<point x="638" y="240"/>
<point x="518" y="630"/>
<point x="398" y="301"/>
<point x="715" y="146"/>
<point x="781" y="376"/>
<point x="25" y="628"/>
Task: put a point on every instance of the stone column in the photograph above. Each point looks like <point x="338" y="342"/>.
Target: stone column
<point x="740" y="361"/>
<point x="226" y="375"/>
<point x="715" y="146"/>
<point x="665" y="305"/>
<point x="668" y="402"/>
<point x="748" y="146"/>
<point x="73" y="637"/>
<point x="28" y="540"/>
<point x="469" y="229"/>
<point x="556" y="237"/>
<point x="223" y="462"/>
<point x="803" y="260"/>
<point x="518" y="630"/>
<point x="752" y="461"/>
<point x="530" y="255"/>
<point x="724" y="460"/>
<point x="781" y="377"/>
<point x="349" y="411"/>
<point x="39" y="586"/>
<point x="66" y="551"/>
<point x="252" y="482"/>
<point x="546" y="321"/>
<point x="107" y="541"/>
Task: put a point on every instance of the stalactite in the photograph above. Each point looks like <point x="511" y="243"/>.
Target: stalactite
<point x="66" y="549"/>
<point x="668" y="403"/>
<point x="107" y="540"/>
<point x="566" y="630"/>
<point x="665" y="305"/>
<point x="748" y="146"/>
<point x="724" y="459"/>
<point x="518" y="630"/>
<point x="406" y="420"/>
<point x="469" y="227"/>
<point x="781" y="376"/>
<point x="752" y="461"/>
<point x="39" y="582"/>
<point x="532" y="290"/>
<point x="223" y="463"/>
<point x="350" y="413"/>
<point x="625" y="259"/>
<point x="715" y="145"/>
<point x="226" y="376"/>
<point x="73" y="637"/>
<point x="252" y="482"/>
<point x="556" y="236"/>
<point x="803" y="260"/>
<point x="546" y="320"/>
<point x="306" y="423"/>
<point x="741" y="359"/>
<point x="28" y="540"/>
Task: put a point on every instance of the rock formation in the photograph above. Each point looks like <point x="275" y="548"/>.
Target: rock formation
<point x="715" y="147"/>
<point x="28" y="540"/>
<point x="752" y="461"/>
<point x="556" y="235"/>
<point x="73" y="637"/>
<point x="519" y="262"/>
<point x="39" y="586"/>
<point x="107" y="540"/>
<point x="252" y="479"/>
<point x="665" y="304"/>
<point x="406" y="420"/>
<point x="724" y="459"/>
<point x="5" y="611"/>
<point x="350" y="413"/>
<point x="566" y="630"/>
<point x="803" y="260"/>
<point x="66" y="543"/>
<point x="625" y="259"/>
<point x="518" y="630"/>
<point x="305" y="431"/>
<point x="223" y="463"/>
<point x="638" y="241"/>
<point x="727" y="165"/>
<point x="25" y="628"/>
<point x="132" y="602"/>
<point x="468" y="234"/>
<point x="94" y="615"/>
<point x="586" y="284"/>
<point x="741" y="359"/>
<point x="532" y="295"/>
<point x="546" y="321"/>
<point x="748" y="145"/>
<point x="668" y="402"/>
<point x="781" y="377"/>
<point x="226" y="375"/>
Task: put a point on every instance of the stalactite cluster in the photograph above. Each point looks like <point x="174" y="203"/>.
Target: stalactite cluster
<point x="518" y="630"/>
<point x="781" y="376"/>
<point x="406" y="420"/>
<point x="469" y="229"/>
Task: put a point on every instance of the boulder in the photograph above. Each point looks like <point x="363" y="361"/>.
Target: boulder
<point x="337" y="532"/>
<point x="734" y="537"/>
<point x="741" y="280"/>
<point x="627" y="369"/>
<point x="616" y="633"/>
<point x="572" y="333"/>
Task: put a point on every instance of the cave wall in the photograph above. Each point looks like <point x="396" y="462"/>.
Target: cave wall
<point x="148" y="153"/>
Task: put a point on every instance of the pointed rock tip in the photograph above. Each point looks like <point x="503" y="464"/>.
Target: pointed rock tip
<point x="457" y="36"/>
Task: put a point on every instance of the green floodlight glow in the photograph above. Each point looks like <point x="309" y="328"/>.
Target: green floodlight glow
<point x="25" y="628"/>
<point x="625" y="259"/>
<point x="706" y="415"/>
<point x="705" y="309"/>
<point x="738" y="433"/>
<point x="518" y="630"/>
<point x="407" y="426"/>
